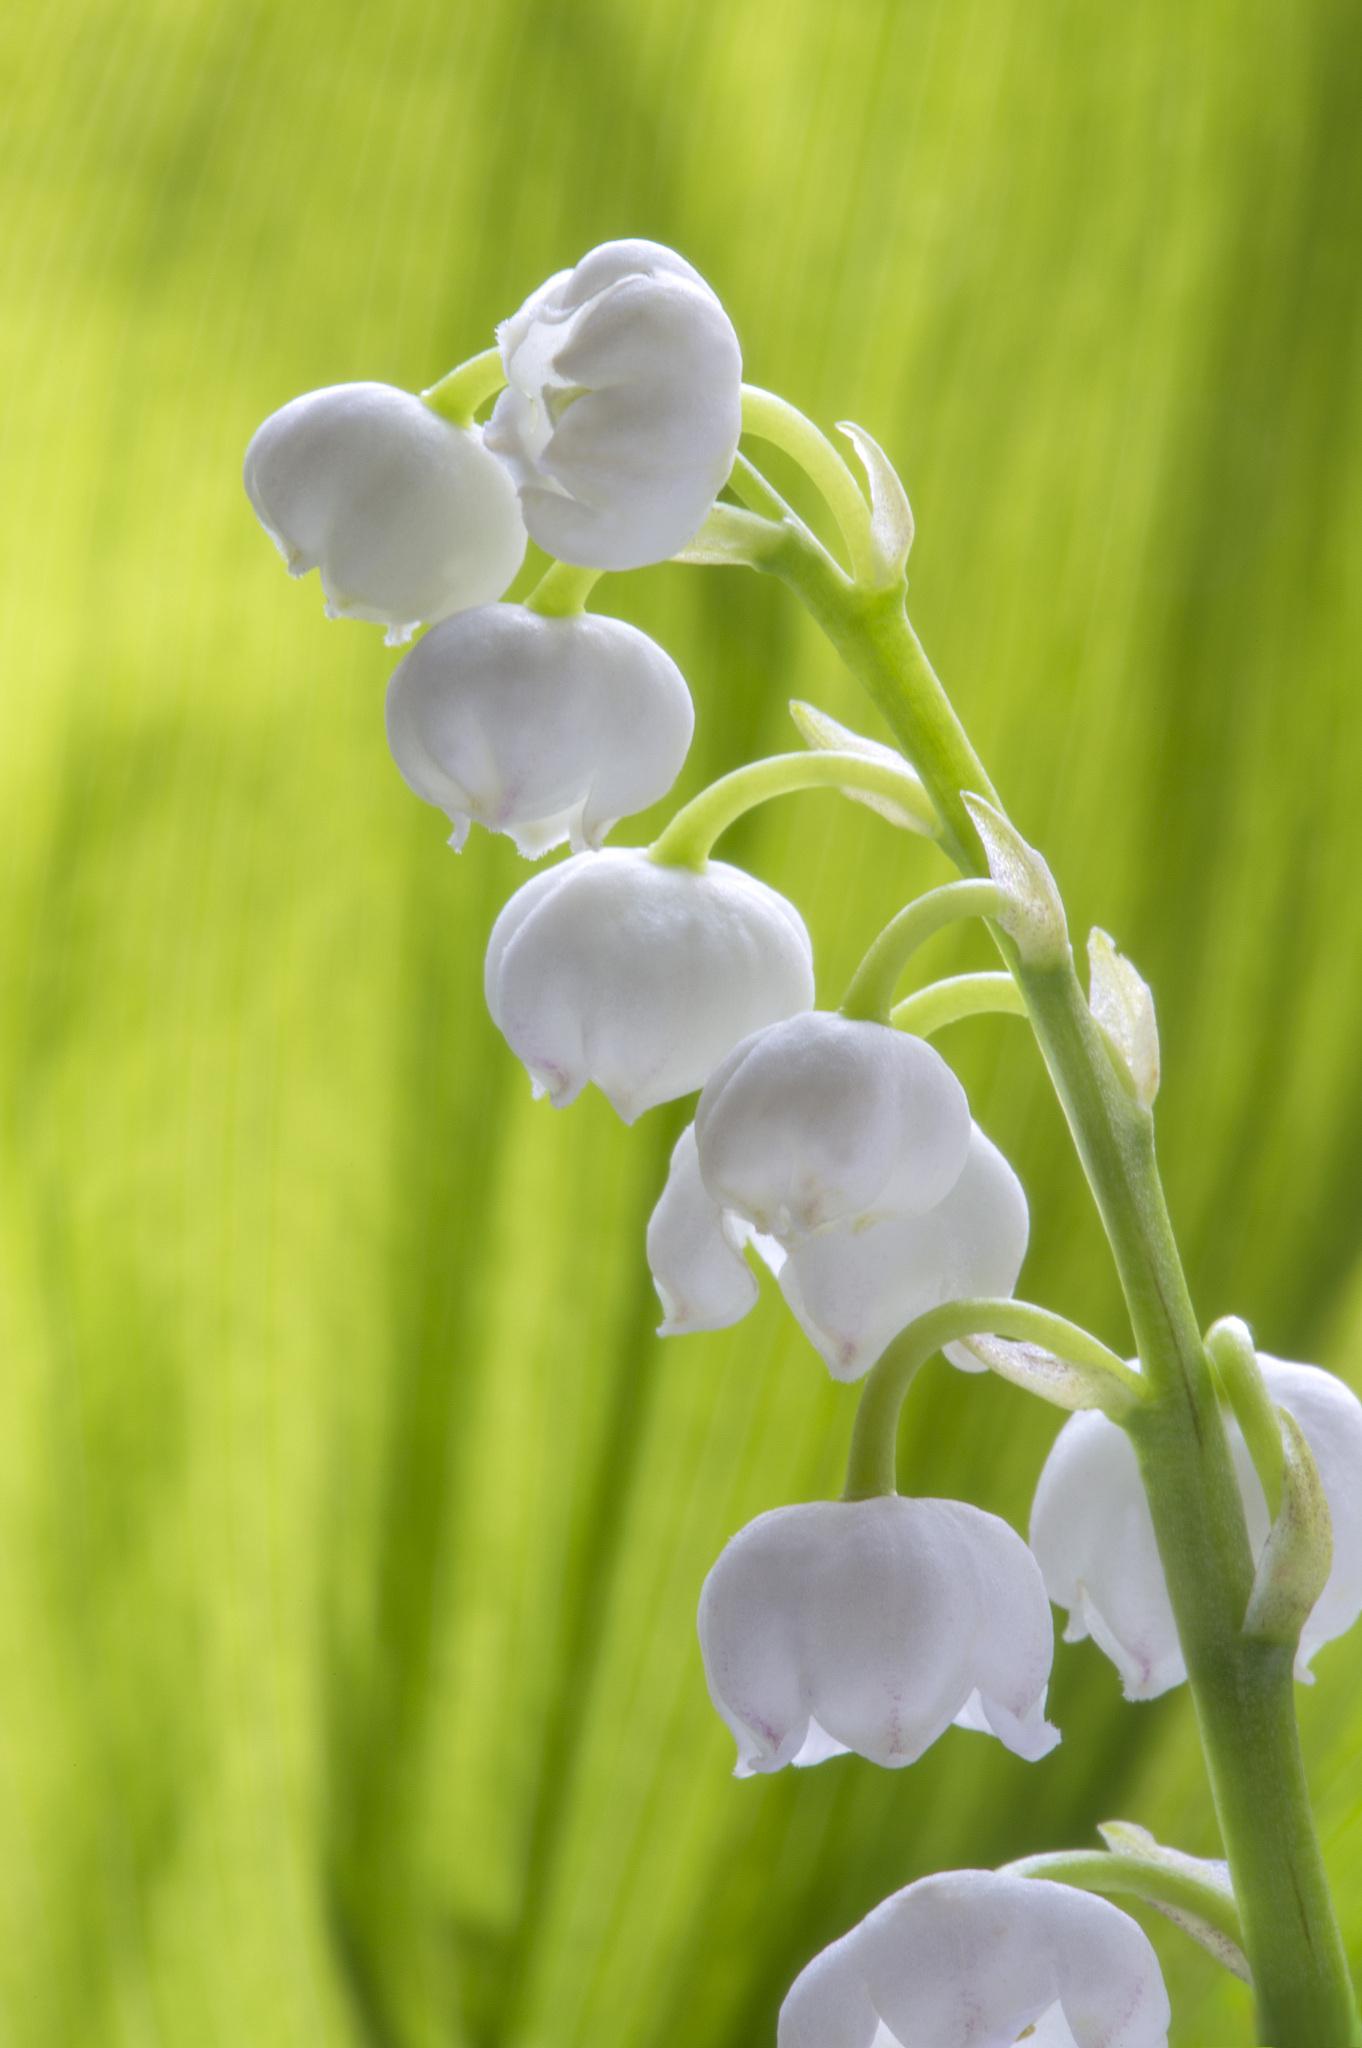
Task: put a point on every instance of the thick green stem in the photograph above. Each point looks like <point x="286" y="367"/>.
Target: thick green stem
<point x="687" y="840"/>
<point x="929" y="1010"/>
<point x="1243" y="1690"/>
<point x="870" y="991"/>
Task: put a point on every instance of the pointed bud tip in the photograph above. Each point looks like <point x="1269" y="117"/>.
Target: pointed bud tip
<point x="1033" y="912"/>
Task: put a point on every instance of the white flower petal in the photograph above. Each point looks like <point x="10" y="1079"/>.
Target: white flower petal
<point x="854" y="1289"/>
<point x="616" y="969"/>
<point x="972" y="1959"/>
<point x="407" y="517"/>
<point x="702" y="1278"/>
<point x="622" y="411"/>
<point x="543" y="728"/>
<point x="1330" y="1416"/>
<point x="869" y="1626"/>
<point x="822" y="1119"/>
<point x="1093" y="1534"/>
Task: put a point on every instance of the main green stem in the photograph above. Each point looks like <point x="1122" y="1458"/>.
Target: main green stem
<point x="1243" y="1690"/>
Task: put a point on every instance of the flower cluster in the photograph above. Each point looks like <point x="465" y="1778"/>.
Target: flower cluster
<point x="838" y="1149"/>
<point x="844" y="1151"/>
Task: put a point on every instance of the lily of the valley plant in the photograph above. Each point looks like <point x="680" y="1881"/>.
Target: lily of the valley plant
<point x="1200" y="1515"/>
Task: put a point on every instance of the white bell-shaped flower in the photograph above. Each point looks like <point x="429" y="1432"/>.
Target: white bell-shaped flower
<point x="641" y="977"/>
<point x="823" y="1119"/>
<point x="623" y="406"/>
<point x="853" y="1289"/>
<point x="982" y="1959"/>
<point x="853" y="1285"/>
<point x="406" y="517"/>
<point x="545" y="729"/>
<point x="872" y="1626"/>
<point x="1093" y="1534"/>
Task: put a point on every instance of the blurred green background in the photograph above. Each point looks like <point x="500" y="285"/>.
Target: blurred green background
<point x="351" y="1516"/>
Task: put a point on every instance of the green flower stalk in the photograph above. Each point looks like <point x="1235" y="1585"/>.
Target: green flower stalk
<point x="1201" y="1511"/>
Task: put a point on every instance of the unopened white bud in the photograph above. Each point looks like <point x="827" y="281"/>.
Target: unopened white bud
<point x="623" y="406"/>
<point x="1094" y="1536"/>
<point x="982" y="1959"/>
<point x="641" y="977"/>
<point x="871" y="1626"/>
<point x="406" y="517"/>
<point x="545" y="729"/>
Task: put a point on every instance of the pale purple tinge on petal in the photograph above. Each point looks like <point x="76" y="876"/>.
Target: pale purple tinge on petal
<point x="975" y="1959"/>
<point x="407" y="518"/>
<point x="623" y="406"/>
<point x="545" y="729"/>
<point x="616" y="969"/>
<point x="871" y="1626"/>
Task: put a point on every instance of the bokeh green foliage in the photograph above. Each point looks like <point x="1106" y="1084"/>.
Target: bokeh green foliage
<point x="351" y="1517"/>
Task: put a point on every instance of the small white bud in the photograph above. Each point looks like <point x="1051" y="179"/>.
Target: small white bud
<point x="406" y="517"/>
<point x="871" y="1626"/>
<point x="1094" y="1536"/>
<point x="1123" y="1006"/>
<point x="641" y="977"/>
<point x="623" y="406"/>
<point x="545" y="729"/>
<point x="981" y="1959"/>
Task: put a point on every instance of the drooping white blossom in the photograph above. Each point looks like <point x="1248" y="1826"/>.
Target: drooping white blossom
<point x="852" y="1289"/>
<point x="982" y="1959"/>
<point x="545" y="729"/>
<point x="853" y="1285"/>
<point x="824" y="1119"/>
<point x="1093" y="1533"/>
<point x="622" y="409"/>
<point x="872" y="1626"/>
<point x="641" y="977"/>
<point x="695" y="1251"/>
<point x="406" y="517"/>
